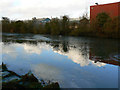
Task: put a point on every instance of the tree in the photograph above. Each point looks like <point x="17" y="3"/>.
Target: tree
<point x="112" y="26"/>
<point x="47" y="28"/>
<point x="55" y="26"/>
<point x="101" y="19"/>
<point x="65" y="25"/>
<point x="5" y="24"/>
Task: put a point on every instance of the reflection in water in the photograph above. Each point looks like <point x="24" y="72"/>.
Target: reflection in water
<point x="79" y="56"/>
<point x="45" y="71"/>
<point x="68" y="60"/>
<point x="0" y="53"/>
<point x="13" y="49"/>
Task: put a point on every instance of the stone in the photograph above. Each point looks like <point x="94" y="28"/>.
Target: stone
<point x="11" y="78"/>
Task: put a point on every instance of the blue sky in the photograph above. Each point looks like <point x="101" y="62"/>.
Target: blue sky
<point x="26" y="9"/>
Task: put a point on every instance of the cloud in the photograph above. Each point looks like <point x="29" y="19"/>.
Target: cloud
<point x="26" y="9"/>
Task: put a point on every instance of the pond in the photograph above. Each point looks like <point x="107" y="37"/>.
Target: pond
<point x="73" y="62"/>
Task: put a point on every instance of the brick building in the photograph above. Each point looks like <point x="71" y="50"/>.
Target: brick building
<point x="112" y="9"/>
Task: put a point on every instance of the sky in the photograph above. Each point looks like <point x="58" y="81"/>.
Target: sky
<point x="27" y="9"/>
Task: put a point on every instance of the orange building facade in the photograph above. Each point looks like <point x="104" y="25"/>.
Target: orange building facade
<point x="112" y="9"/>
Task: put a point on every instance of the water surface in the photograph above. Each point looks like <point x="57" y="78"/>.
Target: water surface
<point x="74" y="62"/>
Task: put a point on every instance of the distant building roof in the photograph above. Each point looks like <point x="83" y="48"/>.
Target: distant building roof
<point x="42" y="20"/>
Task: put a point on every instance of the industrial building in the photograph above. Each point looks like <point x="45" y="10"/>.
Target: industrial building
<point x="112" y="9"/>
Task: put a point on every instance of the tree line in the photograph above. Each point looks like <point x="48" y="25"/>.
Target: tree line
<point x="102" y="26"/>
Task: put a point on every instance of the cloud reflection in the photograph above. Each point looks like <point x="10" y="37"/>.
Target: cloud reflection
<point x="46" y="72"/>
<point x="32" y="49"/>
<point x="14" y="49"/>
<point x="78" y="57"/>
<point x="0" y="53"/>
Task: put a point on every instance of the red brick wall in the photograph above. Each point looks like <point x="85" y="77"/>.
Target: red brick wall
<point x="113" y="9"/>
<point x="119" y="8"/>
